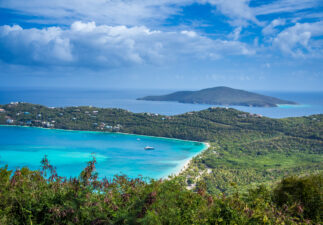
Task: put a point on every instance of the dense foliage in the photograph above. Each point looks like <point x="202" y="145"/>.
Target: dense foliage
<point x="42" y="197"/>
<point x="304" y="194"/>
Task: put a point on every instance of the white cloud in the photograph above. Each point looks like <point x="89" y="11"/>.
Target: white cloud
<point x="91" y="45"/>
<point x="270" y="29"/>
<point x="297" y="40"/>
<point x="238" y="10"/>
<point x="235" y="35"/>
<point x="189" y="33"/>
<point x="113" y="12"/>
<point x="241" y="13"/>
<point x="44" y="46"/>
<point x="83" y="27"/>
<point x="146" y="12"/>
<point x="280" y="6"/>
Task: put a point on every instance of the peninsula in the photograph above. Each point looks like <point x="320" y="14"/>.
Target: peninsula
<point x="221" y="96"/>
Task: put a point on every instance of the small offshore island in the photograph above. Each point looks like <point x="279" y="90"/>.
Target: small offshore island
<point x="221" y="96"/>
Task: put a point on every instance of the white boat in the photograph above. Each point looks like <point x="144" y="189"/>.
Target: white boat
<point x="149" y="148"/>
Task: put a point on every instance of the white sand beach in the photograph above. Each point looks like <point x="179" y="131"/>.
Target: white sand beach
<point x="186" y="163"/>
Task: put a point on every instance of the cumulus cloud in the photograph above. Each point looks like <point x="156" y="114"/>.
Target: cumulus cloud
<point x="298" y="40"/>
<point x="91" y="45"/>
<point x="44" y="46"/>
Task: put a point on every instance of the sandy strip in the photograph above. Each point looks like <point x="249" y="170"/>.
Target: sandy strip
<point x="185" y="165"/>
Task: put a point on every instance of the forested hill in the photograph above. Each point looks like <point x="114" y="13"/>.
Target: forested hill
<point x="245" y="148"/>
<point x="220" y="96"/>
<point x="207" y="125"/>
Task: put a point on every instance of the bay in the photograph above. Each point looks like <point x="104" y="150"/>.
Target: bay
<point x="115" y="153"/>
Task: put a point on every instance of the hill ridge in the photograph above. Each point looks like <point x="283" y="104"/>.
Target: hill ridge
<point x="220" y="96"/>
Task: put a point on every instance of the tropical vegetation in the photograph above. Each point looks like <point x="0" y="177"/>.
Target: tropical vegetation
<point x="246" y="176"/>
<point x="43" y="197"/>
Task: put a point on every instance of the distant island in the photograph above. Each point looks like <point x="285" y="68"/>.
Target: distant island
<point x="221" y="96"/>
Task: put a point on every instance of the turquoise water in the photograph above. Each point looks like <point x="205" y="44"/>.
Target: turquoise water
<point x="293" y="106"/>
<point x="69" y="151"/>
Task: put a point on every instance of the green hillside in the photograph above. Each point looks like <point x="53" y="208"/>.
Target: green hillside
<point x="236" y="181"/>
<point x="220" y="96"/>
<point x="31" y="197"/>
<point x="246" y="149"/>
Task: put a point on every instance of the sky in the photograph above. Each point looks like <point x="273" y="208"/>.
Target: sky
<point x="162" y="44"/>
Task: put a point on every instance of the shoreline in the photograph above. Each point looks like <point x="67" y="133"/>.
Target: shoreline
<point x="284" y="106"/>
<point x="184" y="166"/>
<point x="97" y="131"/>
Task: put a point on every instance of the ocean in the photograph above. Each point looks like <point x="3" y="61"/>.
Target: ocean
<point x="309" y="102"/>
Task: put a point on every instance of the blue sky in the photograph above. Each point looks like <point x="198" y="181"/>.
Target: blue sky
<point x="165" y="44"/>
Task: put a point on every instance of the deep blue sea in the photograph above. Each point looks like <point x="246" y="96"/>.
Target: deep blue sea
<point x="310" y="102"/>
<point x="116" y="153"/>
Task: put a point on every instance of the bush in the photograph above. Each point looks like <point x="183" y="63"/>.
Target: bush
<point x="301" y="196"/>
<point x="43" y="197"/>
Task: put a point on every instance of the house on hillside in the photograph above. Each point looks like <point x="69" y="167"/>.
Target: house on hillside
<point x="9" y="121"/>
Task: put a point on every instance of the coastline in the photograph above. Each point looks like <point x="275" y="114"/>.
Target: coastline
<point x="286" y="106"/>
<point x="97" y="131"/>
<point x="184" y="166"/>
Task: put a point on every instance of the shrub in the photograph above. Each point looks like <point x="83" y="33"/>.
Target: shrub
<point x="301" y="196"/>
